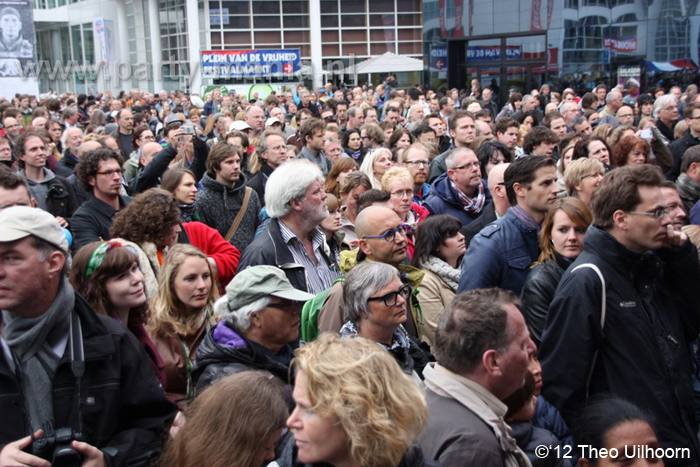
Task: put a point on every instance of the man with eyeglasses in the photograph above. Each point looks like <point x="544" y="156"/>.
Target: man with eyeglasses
<point x="460" y="192"/>
<point x="259" y="330"/>
<point x="100" y="174"/>
<point x="640" y="348"/>
<point x="417" y="162"/>
<point x="382" y="239"/>
<point x="689" y="139"/>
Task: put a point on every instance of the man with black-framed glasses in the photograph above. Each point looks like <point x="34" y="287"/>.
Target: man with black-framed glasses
<point x="382" y="239"/>
<point x="625" y="329"/>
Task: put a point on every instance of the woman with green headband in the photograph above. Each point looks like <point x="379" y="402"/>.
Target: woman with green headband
<point x="108" y="275"/>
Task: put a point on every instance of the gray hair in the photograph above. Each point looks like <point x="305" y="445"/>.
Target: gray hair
<point x="663" y="101"/>
<point x="450" y="159"/>
<point x="240" y="318"/>
<point x="262" y="140"/>
<point x="289" y="181"/>
<point x="612" y="95"/>
<point x="363" y="281"/>
<point x="64" y="136"/>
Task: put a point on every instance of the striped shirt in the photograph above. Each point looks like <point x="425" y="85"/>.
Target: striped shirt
<point x="319" y="274"/>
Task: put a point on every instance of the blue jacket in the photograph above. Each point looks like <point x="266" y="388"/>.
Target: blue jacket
<point x="500" y="256"/>
<point x="443" y="200"/>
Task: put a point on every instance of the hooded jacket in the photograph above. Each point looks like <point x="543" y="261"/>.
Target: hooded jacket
<point x="218" y="205"/>
<point x="54" y="195"/>
<point x="224" y="352"/>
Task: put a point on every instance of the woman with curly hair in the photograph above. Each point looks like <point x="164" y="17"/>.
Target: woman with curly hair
<point x="107" y="274"/>
<point x="354" y="405"/>
<point x="630" y="150"/>
<point x="181" y="314"/>
<point x="152" y="222"/>
<point x="234" y="423"/>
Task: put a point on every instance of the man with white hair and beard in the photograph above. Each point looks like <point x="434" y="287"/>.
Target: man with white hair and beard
<point x="293" y="240"/>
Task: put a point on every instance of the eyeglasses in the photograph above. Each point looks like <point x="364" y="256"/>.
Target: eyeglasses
<point x="423" y="163"/>
<point x="109" y="173"/>
<point x="467" y="166"/>
<point x="391" y="299"/>
<point x="390" y="235"/>
<point x="149" y="138"/>
<point x="402" y="193"/>
<point x="597" y="174"/>
<point x="658" y="214"/>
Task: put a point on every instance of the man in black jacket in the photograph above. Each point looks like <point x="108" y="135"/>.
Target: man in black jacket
<point x="272" y="152"/>
<point x="99" y="173"/>
<point x="690" y="139"/>
<point x="62" y="366"/>
<point x="640" y="348"/>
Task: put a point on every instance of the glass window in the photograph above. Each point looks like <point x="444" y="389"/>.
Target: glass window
<point x="271" y="38"/>
<point x="266" y="22"/>
<point x="378" y="48"/>
<point x="410" y="48"/>
<point x="382" y="6"/>
<point x="330" y="50"/>
<point x="382" y="35"/>
<point x="329" y="6"/>
<point x="353" y="21"/>
<point x="352" y="7"/>
<point x="409" y="20"/>
<point x="237" y="39"/>
<point x="296" y="21"/>
<point x="409" y="5"/>
<point x="236" y="8"/>
<point x="295" y="7"/>
<point x="357" y="49"/>
<point x="382" y="21"/>
<point x="329" y="36"/>
<point x="266" y="7"/>
<point x="410" y="34"/>
<point x="329" y="21"/>
<point x="355" y="36"/>
<point x="296" y="36"/>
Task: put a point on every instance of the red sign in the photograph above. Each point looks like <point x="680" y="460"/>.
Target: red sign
<point x="440" y="64"/>
<point x="620" y="44"/>
<point x="288" y="68"/>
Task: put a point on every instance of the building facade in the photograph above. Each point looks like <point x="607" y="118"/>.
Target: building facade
<point x="523" y="44"/>
<point x="154" y="45"/>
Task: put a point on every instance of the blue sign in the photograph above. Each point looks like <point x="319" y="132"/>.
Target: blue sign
<point x="250" y="63"/>
<point x="438" y="58"/>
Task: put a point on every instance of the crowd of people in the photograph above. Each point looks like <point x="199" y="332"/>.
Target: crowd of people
<point x="366" y="276"/>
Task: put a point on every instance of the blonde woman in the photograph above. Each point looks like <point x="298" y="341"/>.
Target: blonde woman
<point x="181" y="313"/>
<point x="375" y="164"/>
<point x="354" y="405"/>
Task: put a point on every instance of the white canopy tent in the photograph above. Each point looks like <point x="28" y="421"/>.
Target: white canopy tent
<point x="388" y="62"/>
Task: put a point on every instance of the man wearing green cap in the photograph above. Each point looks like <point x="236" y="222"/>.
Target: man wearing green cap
<point x="261" y="316"/>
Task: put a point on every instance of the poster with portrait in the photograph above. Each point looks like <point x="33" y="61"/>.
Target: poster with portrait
<point x="17" y="38"/>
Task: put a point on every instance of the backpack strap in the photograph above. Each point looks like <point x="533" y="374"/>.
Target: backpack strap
<point x="602" y="318"/>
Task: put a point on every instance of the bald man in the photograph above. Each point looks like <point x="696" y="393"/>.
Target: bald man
<point x="374" y="226"/>
<point x="495" y="209"/>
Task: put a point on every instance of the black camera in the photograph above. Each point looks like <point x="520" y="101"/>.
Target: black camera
<point x="55" y="447"/>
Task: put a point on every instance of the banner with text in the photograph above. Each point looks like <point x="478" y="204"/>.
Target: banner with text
<point x="239" y="64"/>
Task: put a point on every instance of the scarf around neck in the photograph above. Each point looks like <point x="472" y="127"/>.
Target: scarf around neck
<point x="31" y="340"/>
<point x="688" y="185"/>
<point x="443" y="270"/>
<point x="526" y="218"/>
<point x="471" y="205"/>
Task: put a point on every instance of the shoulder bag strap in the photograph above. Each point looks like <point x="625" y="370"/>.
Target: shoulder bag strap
<point x="602" y="319"/>
<point x="239" y="217"/>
